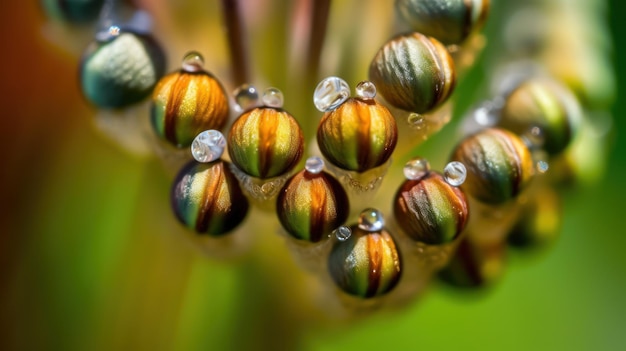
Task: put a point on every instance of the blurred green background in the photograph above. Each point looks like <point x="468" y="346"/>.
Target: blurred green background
<point x="89" y="260"/>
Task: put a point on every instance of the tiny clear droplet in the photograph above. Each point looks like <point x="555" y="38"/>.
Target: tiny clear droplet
<point x="416" y="120"/>
<point x="455" y="173"/>
<point x="543" y="166"/>
<point x="366" y="90"/>
<point x="371" y="220"/>
<point x="534" y="138"/>
<point x="342" y="233"/>
<point x="107" y="34"/>
<point x="416" y="168"/>
<point x="314" y="165"/>
<point x="193" y="62"/>
<point x="330" y="93"/>
<point x="208" y="146"/>
<point x="246" y="97"/>
<point x="273" y="97"/>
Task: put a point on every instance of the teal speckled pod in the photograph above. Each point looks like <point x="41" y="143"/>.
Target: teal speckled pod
<point x="499" y="165"/>
<point x="544" y="104"/>
<point x="366" y="265"/>
<point x="413" y="72"/>
<point x="430" y="210"/>
<point x="358" y="135"/>
<point x="310" y="206"/>
<point x="121" y="71"/>
<point x="184" y="104"/>
<point x="474" y="265"/>
<point x="206" y="197"/>
<point x="265" y="142"/>
<point x="449" y="21"/>
<point x="73" y="11"/>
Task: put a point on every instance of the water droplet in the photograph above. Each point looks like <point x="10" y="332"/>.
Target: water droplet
<point x="107" y="34"/>
<point x="314" y="165"/>
<point x="268" y="188"/>
<point x="246" y="96"/>
<point x="193" y="62"/>
<point x="542" y="166"/>
<point x="330" y="93"/>
<point x="273" y="97"/>
<point x="342" y="233"/>
<point x="415" y="120"/>
<point x="454" y="173"/>
<point x="208" y="146"/>
<point x="416" y="168"/>
<point x="371" y="220"/>
<point x="366" y="90"/>
<point x="534" y="138"/>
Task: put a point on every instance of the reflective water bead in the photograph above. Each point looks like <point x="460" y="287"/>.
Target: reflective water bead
<point x="366" y="90"/>
<point x="430" y="210"/>
<point x="193" y="62"/>
<point x="206" y="197"/>
<point x="273" y="97"/>
<point x="265" y="142"/>
<point x="311" y="205"/>
<point x="367" y="264"/>
<point x="122" y="71"/>
<point x="73" y="11"/>
<point x="208" y="146"/>
<point x="246" y="97"/>
<point x="499" y="165"/>
<point x="371" y="220"/>
<point x="184" y="104"/>
<point x="416" y="168"/>
<point x="107" y="34"/>
<point x="314" y="164"/>
<point x="455" y="173"/>
<point x="542" y="166"/>
<point x="358" y="135"/>
<point x="342" y="233"/>
<point x="449" y="21"/>
<point x="416" y="120"/>
<point x="413" y="72"/>
<point x="330" y="93"/>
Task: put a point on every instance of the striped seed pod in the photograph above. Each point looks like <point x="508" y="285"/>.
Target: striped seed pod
<point x="449" y="21"/>
<point x="310" y="206"/>
<point x="265" y="142"/>
<point x="413" y="72"/>
<point x="206" y="197"/>
<point x="430" y="210"/>
<point x="358" y="135"/>
<point x="474" y="265"/>
<point x="499" y="165"/>
<point x="367" y="264"/>
<point x="121" y="71"/>
<point x="185" y="104"/>
<point x="543" y="104"/>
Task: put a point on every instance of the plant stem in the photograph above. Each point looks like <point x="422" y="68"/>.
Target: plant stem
<point x="236" y="43"/>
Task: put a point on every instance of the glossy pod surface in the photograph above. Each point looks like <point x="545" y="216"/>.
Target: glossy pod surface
<point x="367" y="264"/>
<point x="310" y="206"/>
<point x="413" y="72"/>
<point x="265" y="142"/>
<point x="499" y="165"/>
<point x="542" y="104"/>
<point x="449" y="21"/>
<point x="430" y="210"/>
<point x="358" y="135"/>
<point x="122" y="71"/>
<point x="186" y="104"/>
<point x="207" y="198"/>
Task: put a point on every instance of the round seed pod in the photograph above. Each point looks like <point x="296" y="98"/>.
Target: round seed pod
<point x="474" y="266"/>
<point x="358" y="135"/>
<point x="265" y="142"/>
<point x="449" y="21"/>
<point x="121" y="71"/>
<point x="310" y="206"/>
<point x="430" y="210"/>
<point x="545" y="105"/>
<point x="539" y="223"/>
<point x="499" y="165"/>
<point x="206" y="197"/>
<point x="366" y="265"/>
<point x="184" y="104"/>
<point x="73" y="11"/>
<point x="413" y="72"/>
